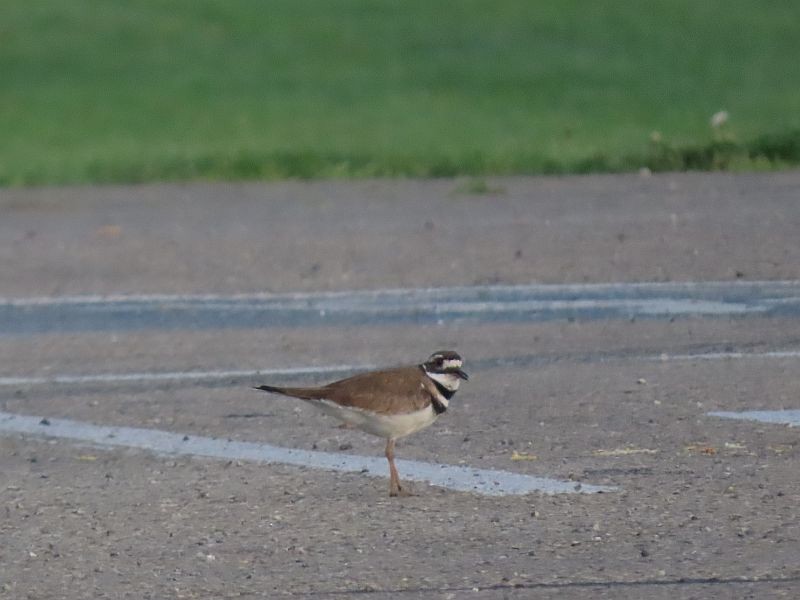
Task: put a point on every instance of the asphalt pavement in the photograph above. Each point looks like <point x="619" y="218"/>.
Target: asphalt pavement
<point x="605" y="321"/>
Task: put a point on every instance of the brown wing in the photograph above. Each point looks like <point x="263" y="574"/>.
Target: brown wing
<point x="392" y="391"/>
<point x="308" y="393"/>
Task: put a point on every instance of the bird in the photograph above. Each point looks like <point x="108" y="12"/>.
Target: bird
<point x="389" y="403"/>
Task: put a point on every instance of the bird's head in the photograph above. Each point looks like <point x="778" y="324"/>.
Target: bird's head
<point x="444" y="367"/>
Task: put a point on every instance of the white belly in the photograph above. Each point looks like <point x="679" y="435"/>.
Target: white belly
<point x="386" y="426"/>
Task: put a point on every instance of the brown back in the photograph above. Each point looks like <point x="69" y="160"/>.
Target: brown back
<point x="391" y="391"/>
<point x="386" y="392"/>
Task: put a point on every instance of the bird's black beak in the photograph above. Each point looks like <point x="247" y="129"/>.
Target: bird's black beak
<point x="462" y="375"/>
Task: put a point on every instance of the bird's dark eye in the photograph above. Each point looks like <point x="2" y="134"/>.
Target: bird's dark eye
<point x="439" y="360"/>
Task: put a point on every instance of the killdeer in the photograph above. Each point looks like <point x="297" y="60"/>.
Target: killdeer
<point x="390" y="403"/>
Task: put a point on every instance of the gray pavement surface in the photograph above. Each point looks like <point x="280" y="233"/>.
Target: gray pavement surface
<point x="705" y="507"/>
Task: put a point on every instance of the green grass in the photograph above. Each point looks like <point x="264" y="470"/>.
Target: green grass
<point x="123" y="91"/>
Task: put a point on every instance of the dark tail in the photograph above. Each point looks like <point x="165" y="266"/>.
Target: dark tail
<point x="271" y="389"/>
<point x="302" y="393"/>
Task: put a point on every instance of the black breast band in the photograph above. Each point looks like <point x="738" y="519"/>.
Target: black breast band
<point x="438" y="407"/>
<point x="443" y="390"/>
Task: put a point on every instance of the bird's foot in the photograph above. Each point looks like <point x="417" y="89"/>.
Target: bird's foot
<point x="401" y="492"/>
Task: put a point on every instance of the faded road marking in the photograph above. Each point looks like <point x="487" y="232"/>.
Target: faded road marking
<point x="345" y="370"/>
<point x="728" y="355"/>
<point x="180" y="376"/>
<point x="459" y="478"/>
<point x="519" y="303"/>
<point x="782" y="417"/>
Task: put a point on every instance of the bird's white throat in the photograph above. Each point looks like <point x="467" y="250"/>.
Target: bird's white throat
<point x="448" y="381"/>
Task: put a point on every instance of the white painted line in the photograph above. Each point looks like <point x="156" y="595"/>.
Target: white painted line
<point x="723" y="356"/>
<point x="643" y="307"/>
<point x="782" y="417"/>
<point x="459" y="478"/>
<point x="178" y="375"/>
<point x="524" y="303"/>
<point x="574" y="289"/>
<point x="215" y="375"/>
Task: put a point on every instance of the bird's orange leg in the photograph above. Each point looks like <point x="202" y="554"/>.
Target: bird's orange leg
<point x="395" y="489"/>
